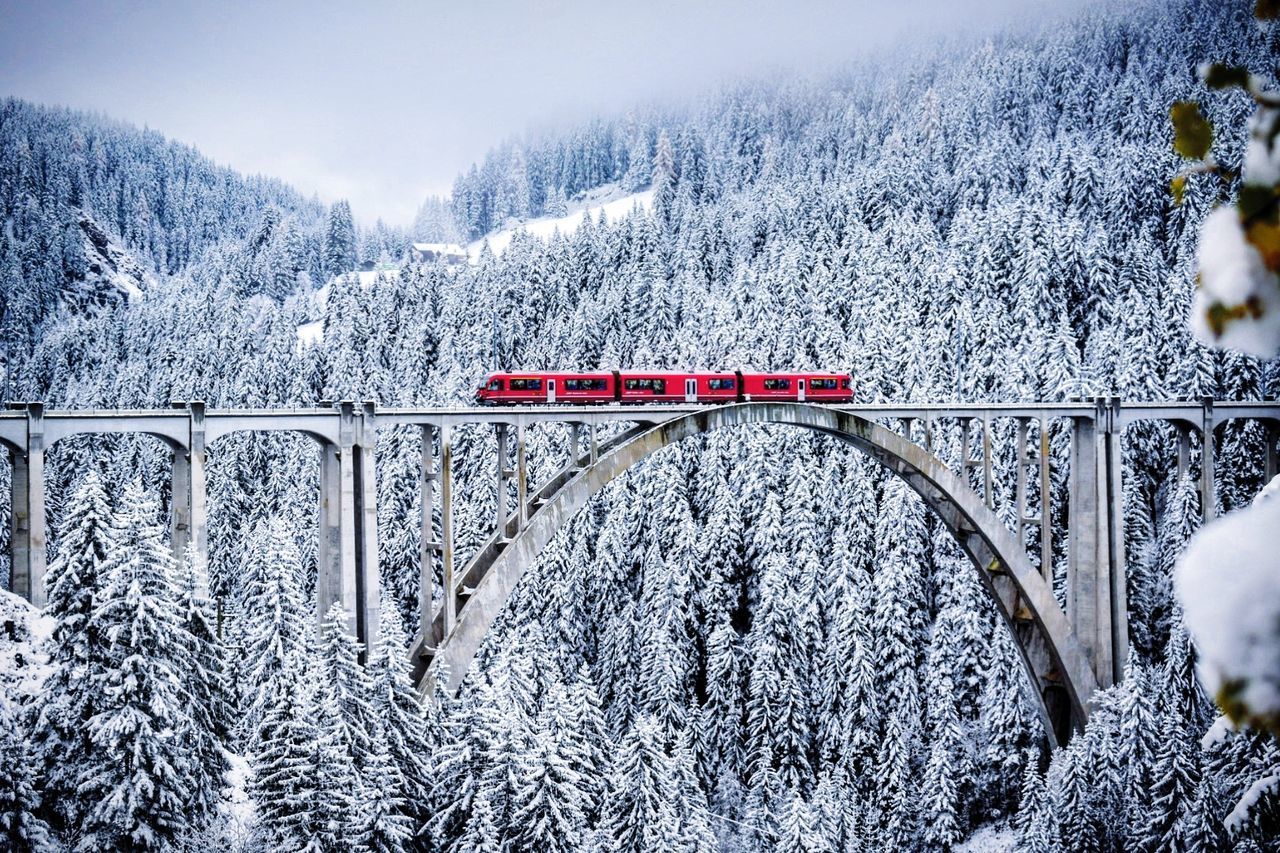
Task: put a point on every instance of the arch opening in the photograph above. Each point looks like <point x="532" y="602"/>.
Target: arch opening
<point x="1051" y="654"/>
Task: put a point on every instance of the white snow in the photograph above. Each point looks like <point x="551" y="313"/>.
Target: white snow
<point x="1218" y="733"/>
<point x="603" y="199"/>
<point x="992" y="838"/>
<point x="1240" y="814"/>
<point x="1233" y="275"/>
<point x="24" y="659"/>
<point x="236" y="803"/>
<point x="1227" y="581"/>
<point x="312" y="333"/>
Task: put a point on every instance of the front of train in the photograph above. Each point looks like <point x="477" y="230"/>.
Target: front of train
<point x="489" y="391"/>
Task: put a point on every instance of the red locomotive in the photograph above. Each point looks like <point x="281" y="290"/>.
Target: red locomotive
<point x="637" y="386"/>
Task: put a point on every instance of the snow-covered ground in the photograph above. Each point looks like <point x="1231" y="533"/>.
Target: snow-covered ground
<point x="992" y="838"/>
<point x="24" y="663"/>
<point x="608" y="198"/>
<point x="312" y="333"/>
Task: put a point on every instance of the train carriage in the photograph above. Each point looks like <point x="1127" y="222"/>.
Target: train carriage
<point x="639" y="387"/>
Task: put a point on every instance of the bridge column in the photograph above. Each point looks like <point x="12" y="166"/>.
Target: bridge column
<point x="450" y="591"/>
<point x="522" y="476"/>
<point x="1208" y="488"/>
<point x="368" y="586"/>
<point x="27" y="545"/>
<point x="1096" y="600"/>
<point x="179" y="501"/>
<point x="428" y="547"/>
<point x="336" y="572"/>
<point x="500" y="514"/>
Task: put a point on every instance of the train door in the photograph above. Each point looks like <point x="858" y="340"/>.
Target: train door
<point x="691" y="390"/>
<point x="551" y="390"/>
<point x="800" y="389"/>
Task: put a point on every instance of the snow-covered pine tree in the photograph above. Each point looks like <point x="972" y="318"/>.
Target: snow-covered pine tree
<point x="22" y="830"/>
<point x="137" y="775"/>
<point x="409" y="733"/>
<point x="641" y="813"/>
<point x="203" y="684"/>
<point x="274" y="617"/>
<point x="550" y="812"/>
<point x="74" y="581"/>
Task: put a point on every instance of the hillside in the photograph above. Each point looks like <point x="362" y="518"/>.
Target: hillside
<point x="757" y="640"/>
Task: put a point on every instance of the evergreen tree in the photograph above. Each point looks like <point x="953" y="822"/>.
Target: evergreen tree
<point x="137" y="775"/>
<point x="77" y="651"/>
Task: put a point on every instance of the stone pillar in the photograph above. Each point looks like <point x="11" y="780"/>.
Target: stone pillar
<point x="427" y="544"/>
<point x="20" y="529"/>
<point x="450" y="591"/>
<point x="1087" y="537"/>
<point x="199" y="487"/>
<point x="522" y="477"/>
<point x="1046" y="507"/>
<point x="500" y="497"/>
<point x="180" y="501"/>
<point x="1208" y="488"/>
<point x="1115" y="566"/>
<point x="368" y="586"/>
<point x="36" y="530"/>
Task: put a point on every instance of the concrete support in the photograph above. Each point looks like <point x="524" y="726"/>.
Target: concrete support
<point x="329" y="552"/>
<point x="28" y="551"/>
<point x="1046" y="504"/>
<point x="428" y="546"/>
<point x="522" y="476"/>
<point x="1096" y="600"/>
<point x="575" y="444"/>
<point x="1087" y="539"/>
<point x="198" y="517"/>
<point x="595" y="445"/>
<point x="1208" y="488"/>
<point x="500" y="499"/>
<point x="368" y="587"/>
<point x="450" y="591"/>
<point x="179" y="501"/>
<point x="1270" y="461"/>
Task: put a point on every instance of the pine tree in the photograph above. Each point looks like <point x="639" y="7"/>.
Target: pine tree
<point x="348" y="685"/>
<point x="407" y="731"/>
<point x="74" y="581"/>
<point x="1034" y="820"/>
<point x="205" y="690"/>
<point x="641" y="808"/>
<point x="284" y="783"/>
<point x="550" y="812"/>
<point x="137" y="775"/>
<point x="272" y="609"/>
<point x="21" y="827"/>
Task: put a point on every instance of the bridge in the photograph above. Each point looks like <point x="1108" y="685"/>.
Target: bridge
<point x="1068" y="652"/>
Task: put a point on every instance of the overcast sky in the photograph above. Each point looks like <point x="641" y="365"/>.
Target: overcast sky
<point x="384" y="103"/>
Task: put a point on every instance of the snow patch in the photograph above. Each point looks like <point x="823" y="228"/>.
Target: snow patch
<point x="992" y="838"/>
<point x="601" y="200"/>
<point x="310" y="334"/>
<point x="1226" y="581"/>
<point x="25" y="634"/>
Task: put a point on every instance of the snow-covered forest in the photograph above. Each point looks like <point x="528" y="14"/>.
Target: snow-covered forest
<point x="755" y="641"/>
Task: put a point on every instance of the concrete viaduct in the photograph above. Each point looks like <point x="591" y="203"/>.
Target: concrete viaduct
<point x="1068" y="652"/>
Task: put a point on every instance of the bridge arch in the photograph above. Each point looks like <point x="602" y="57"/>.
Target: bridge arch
<point x="1051" y="653"/>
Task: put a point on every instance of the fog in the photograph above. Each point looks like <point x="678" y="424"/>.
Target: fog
<point x="384" y="103"/>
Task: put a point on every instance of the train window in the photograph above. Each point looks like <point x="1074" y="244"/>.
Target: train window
<point x="720" y="384"/>
<point x="495" y="384"/>
<point x="526" y="384"/>
<point x="584" y="384"/>
<point x="819" y="383"/>
<point x="844" y="383"/>
<point x="777" y="385"/>
<point x="653" y="386"/>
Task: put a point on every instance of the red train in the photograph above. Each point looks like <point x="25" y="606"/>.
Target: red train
<point x="632" y="386"/>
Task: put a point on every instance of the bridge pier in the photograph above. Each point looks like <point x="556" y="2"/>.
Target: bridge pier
<point x="1096" y="595"/>
<point x="28" y="553"/>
